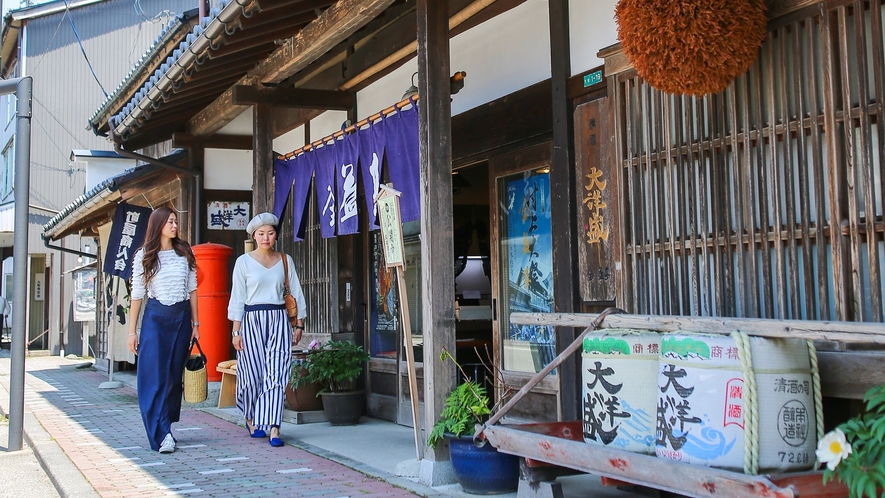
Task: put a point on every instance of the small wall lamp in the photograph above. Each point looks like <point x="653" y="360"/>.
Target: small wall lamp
<point x="412" y="90"/>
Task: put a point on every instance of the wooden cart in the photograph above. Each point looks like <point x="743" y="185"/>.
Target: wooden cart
<point x="561" y="443"/>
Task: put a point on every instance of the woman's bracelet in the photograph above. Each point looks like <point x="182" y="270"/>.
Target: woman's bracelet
<point x="131" y="334"/>
<point x="299" y="327"/>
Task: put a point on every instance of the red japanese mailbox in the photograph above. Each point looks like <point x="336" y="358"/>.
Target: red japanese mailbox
<point x="213" y="294"/>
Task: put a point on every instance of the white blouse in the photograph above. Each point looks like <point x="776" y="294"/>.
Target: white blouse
<point x="173" y="282"/>
<point x="253" y="283"/>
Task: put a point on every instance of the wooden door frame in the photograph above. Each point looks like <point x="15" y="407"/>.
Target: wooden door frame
<point x="532" y="157"/>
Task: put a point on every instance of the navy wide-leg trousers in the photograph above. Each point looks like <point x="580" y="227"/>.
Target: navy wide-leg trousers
<point x="163" y="348"/>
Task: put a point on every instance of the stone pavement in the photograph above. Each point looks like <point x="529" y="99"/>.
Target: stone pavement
<point x="91" y="442"/>
<point x="100" y="430"/>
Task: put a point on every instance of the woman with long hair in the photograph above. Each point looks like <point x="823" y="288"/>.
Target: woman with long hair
<point x="163" y="270"/>
<point x="262" y="334"/>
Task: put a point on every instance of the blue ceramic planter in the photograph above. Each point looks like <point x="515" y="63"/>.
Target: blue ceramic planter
<point x="483" y="471"/>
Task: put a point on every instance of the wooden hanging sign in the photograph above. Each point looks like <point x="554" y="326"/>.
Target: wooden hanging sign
<point x="387" y="204"/>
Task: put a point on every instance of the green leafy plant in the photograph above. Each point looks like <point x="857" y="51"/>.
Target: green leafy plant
<point x="854" y="451"/>
<point x="298" y="374"/>
<point x="334" y="366"/>
<point x="467" y="405"/>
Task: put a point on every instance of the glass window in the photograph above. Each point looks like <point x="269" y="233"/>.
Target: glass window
<point x="8" y="169"/>
<point x="525" y="268"/>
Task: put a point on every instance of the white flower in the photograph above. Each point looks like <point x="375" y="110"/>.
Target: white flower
<point x="832" y="449"/>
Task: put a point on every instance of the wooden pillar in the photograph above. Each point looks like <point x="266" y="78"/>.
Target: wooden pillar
<point x="196" y="158"/>
<point x="437" y="250"/>
<point x="562" y="199"/>
<point x="262" y="158"/>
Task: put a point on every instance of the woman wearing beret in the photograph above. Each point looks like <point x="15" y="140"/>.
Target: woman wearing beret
<point x="262" y="334"/>
<point x="164" y="269"/>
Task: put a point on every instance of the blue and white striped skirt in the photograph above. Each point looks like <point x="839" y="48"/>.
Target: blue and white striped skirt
<point x="263" y="364"/>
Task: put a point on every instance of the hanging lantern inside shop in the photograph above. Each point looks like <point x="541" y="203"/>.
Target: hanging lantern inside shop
<point x="692" y="47"/>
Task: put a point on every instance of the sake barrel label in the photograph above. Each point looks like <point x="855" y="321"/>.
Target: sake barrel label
<point x="619" y="390"/>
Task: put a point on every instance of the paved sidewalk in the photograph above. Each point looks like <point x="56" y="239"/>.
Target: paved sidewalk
<point x="92" y="443"/>
<point x="30" y="479"/>
<point x="101" y="432"/>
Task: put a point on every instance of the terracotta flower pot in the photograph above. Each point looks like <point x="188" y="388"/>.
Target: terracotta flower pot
<point x="305" y="397"/>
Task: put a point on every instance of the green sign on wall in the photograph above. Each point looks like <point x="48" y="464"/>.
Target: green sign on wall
<point x="592" y="78"/>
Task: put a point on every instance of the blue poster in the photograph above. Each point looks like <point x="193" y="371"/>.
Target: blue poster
<point x="127" y="235"/>
<point x="530" y="260"/>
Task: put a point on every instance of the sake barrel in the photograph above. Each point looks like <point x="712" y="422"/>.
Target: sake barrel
<point x="619" y="378"/>
<point x="714" y="409"/>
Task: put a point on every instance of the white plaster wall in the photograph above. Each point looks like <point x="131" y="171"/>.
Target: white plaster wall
<point x="591" y="28"/>
<point x="327" y="123"/>
<point x="227" y="169"/>
<point x="99" y="169"/>
<point x="386" y="91"/>
<point x="290" y="141"/>
<point x="241" y="125"/>
<point x="503" y="55"/>
<point x="500" y="56"/>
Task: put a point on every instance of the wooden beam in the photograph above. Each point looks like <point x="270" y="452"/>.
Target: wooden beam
<point x="839" y="331"/>
<point x="238" y="142"/>
<point x="286" y="119"/>
<point x="262" y="158"/>
<point x="293" y="97"/>
<point x="219" y="113"/>
<point x="435" y="151"/>
<point x="850" y="375"/>
<point x="331" y="27"/>
<point x="566" y="297"/>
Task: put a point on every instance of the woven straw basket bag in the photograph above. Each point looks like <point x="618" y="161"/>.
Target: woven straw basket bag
<point x="196" y="383"/>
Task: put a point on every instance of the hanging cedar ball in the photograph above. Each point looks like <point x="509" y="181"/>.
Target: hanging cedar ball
<point x="692" y="47"/>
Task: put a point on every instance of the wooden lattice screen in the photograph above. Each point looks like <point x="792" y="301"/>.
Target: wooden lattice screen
<point x="765" y="200"/>
<point x="316" y="261"/>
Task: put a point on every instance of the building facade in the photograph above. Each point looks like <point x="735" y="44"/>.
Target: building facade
<point x="76" y="53"/>
<point x="555" y="180"/>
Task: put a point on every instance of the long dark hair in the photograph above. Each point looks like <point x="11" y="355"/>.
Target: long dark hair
<point x="151" y="244"/>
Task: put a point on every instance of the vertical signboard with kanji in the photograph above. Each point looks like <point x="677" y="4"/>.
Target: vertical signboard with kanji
<point x="599" y="267"/>
<point x="127" y="236"/>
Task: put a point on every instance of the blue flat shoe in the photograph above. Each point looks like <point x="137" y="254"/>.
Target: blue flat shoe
<point x="276" y="442"/>
<point x="256" y="432"/>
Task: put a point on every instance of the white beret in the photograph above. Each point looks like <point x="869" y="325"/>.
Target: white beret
<point x="260" y="220"/>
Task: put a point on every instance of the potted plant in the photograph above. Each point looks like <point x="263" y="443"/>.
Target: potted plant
<point x="301" y="394"/>
<point x="335" y="366"/>
<point x="854" y="451"/>
<point x="479" y="468"/>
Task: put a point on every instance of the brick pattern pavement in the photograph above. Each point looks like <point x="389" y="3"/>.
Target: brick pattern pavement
<point x="102" y="433"/>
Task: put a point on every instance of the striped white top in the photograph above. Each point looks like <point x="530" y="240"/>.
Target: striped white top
<point x="253" y="283"/>
<point x="173" y="282"/>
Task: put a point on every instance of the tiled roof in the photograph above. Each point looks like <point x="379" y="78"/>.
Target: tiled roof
<point x="174" y="29"/>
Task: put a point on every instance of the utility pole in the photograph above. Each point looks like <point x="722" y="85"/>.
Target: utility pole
<point x="22" y="89"/>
